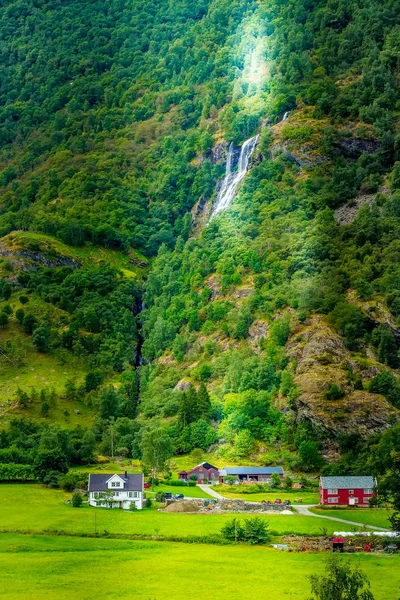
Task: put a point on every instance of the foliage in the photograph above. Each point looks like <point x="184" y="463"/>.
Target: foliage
<point x="77" y="500"/>
<point x="254" y="530"/>
<point x="340" y="582"/>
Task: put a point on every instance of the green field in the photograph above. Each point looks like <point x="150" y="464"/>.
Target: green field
<point x="369" y="516"/>
<point x="188" y="492"/>
<point x="45" y="510"/>
<point x="37" y="567"/>
<point x="306" y="497"/>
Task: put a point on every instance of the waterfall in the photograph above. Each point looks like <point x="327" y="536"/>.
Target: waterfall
<point x="232" y="178"/>
<point x="285" y="116"/>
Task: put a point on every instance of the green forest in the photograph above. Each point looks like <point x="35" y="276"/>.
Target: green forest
<point x="268" y="334"/>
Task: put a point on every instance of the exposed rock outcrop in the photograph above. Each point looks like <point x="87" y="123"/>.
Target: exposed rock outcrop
<point x="27" y="252"/>
<point x="322" y="359"/>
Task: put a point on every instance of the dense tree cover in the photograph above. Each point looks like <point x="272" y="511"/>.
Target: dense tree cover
<point x="108" y="113"/>
<point x="280" y="240"/>
<point x="97" y="320"/>
<point x="103" y="107"/>
<point x="32" y="451"/>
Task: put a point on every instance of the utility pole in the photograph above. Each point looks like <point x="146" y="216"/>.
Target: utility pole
<point x="95" y="528"/>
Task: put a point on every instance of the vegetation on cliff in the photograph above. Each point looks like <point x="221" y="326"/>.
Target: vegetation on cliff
<point x="275" y="325"/>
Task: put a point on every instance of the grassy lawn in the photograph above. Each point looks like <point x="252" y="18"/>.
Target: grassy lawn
<point x="369" y="516"/>
<point x="188" y="492"/>
<point x="37" y="567"/>
<point x="307" y="497"/>
<point x="45" y="509"/>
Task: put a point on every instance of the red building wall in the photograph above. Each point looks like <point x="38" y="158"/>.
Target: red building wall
<point x="344" y="497"/>
<point x="203" y="474"/>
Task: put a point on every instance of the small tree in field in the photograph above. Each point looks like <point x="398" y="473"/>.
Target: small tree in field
<point x="275" y="481"/>
<point x="288" y="482"/>
<point x="106" y="498"/>
<point x="340" y="582"/>
<point x="77" y="500"/>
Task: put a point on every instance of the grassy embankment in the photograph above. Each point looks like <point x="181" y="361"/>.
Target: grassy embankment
<point x="34" y="567"/>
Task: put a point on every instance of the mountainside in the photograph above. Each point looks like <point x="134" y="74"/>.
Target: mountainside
<point x="268" y="331"/>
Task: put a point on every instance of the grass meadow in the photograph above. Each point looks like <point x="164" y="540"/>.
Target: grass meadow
<point x="292" y="495"/>
<point x="57" y="568"/>
<point x="376" y="516"/>
<point x="44" y="509"/>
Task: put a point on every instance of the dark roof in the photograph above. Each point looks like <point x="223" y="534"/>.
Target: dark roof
<point x="251" y="471"/>
<point x="98" y="483"/>
<point x="203" y="465"/>
<point x="347" y="482"/>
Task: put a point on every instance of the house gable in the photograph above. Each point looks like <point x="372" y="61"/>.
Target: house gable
<point x="115" y="482"/>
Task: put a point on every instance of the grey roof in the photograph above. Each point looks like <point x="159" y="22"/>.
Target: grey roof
<point x="251" y="471"/>
<point x="98" y="483"/>
<point x="346" y="482"/>
<point x="205" y="465"/>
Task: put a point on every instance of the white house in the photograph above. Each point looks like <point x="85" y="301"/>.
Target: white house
<point x="116" y="491"/>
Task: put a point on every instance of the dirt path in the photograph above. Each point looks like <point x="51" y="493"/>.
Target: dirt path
<point x="207" y="489"/>
<point x="304" y="509"/>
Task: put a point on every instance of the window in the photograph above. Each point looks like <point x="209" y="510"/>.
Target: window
<point x="332" y="491"/>
<point x="366" y="500"/>
<point x="333" y="500"/>
<point x="133" y="494"/>
<point x="368" y="491"/>
<point x="351" y="492"/>
<point x="116" y="494"/>
<point x="115" y="484"/>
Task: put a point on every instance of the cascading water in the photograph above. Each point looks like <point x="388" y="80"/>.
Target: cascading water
<point x="233" y="178"/>
<point x="285" y="116"/>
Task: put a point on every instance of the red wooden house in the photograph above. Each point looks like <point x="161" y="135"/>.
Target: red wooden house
<point x="346" y="491"/>
<point x="204" y="472"/>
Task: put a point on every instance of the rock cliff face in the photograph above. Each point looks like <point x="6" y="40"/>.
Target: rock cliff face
<point x="322" y="359"/>
<point x="28" y="257"/>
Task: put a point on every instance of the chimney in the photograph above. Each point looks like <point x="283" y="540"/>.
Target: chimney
<point x="126" y="475"/>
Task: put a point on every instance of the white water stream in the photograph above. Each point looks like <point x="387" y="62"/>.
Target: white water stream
<point x="232" y="178"/>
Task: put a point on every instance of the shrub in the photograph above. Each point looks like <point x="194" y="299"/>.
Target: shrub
<point x="20" y="315"/>
<point x="148" y="503"/>
<point x="232" y="530"/>
<point x="77" y="500"/>
<point x="133" y="506"/>
<point x="3" y="319"/>
<point x="334" y="392"/>
<point x="255" y="531"/>
<point x="16" y="472"/>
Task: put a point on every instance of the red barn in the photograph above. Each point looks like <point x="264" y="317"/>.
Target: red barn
<point x="346" y="491"/>
<point x="204" y="472"/>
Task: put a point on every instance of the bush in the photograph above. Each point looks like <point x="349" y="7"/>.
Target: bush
<point x="77" y="500"/>
<point x="133" y="507"/>
<point x="254" y="531"/>
<point x="16" y="472"/>
<point x="160" y="496"/>
<point x="148" y="503"/>
<point x="232" y="530"/>
<point x="334" y="392"/>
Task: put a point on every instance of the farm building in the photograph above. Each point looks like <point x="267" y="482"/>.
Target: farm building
<point x="204" y="472"/>
<point x="116" y="491"/>
<point x="346" y="491"/>
<point x="250" y="474"/>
